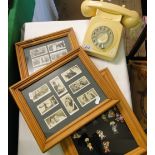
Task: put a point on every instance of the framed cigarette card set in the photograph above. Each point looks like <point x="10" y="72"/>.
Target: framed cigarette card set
<point x="34" y="54"/>
<point x="62" y="97"/>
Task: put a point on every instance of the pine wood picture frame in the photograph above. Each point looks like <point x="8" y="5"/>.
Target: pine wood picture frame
<point x="26" y="55"/>
<point x="18" y="91"/>
<point x="129" y="117"/>
<point x="20" y="46"/>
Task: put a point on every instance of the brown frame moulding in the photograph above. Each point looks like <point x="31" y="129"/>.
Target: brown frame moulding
<point x="46" y="143"/>
<point x="129" y="117"/>
<point x="20" y="46"/>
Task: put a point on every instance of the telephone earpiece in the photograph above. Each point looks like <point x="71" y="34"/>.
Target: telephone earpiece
<point x="129" y="22"/>
<point x="130" y="18"/>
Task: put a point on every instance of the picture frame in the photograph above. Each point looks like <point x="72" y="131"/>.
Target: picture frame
<point x="70" y="147"/>
<point x="34" y="54"/>
<point x="54" y="123"/>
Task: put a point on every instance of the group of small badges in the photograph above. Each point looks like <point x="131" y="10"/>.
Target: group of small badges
<point x="111" y="118"/>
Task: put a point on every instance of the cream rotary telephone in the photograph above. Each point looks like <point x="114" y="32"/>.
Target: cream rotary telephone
<point x="105" y="29"/>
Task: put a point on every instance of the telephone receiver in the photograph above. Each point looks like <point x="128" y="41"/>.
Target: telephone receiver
<point x="105" y="29"/>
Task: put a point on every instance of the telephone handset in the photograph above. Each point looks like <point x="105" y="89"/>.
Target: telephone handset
<point x="105" y="29"/>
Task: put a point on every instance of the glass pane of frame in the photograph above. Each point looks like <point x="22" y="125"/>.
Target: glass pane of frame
<point x="40" y="55"/>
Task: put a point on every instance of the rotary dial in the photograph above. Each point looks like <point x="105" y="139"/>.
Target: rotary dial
<point x="102" y="37"/>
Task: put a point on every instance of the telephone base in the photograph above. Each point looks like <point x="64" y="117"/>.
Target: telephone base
<point x="103" y="37"/>
<point x="108" y="56"/>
